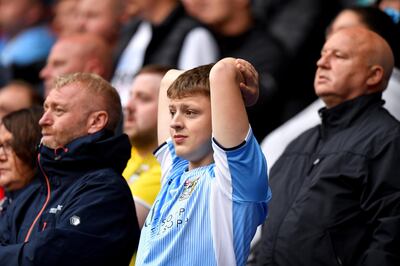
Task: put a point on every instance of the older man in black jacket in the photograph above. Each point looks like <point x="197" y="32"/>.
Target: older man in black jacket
<point x="336" y="188"/>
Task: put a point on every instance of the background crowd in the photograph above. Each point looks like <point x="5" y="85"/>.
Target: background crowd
<point x="133" y="43"/>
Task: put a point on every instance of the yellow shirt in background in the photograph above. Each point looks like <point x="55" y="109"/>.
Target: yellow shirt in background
<point x="143" y="175"/>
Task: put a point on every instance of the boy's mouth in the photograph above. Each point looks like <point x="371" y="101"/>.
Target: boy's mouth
<point x="179" y="138"/>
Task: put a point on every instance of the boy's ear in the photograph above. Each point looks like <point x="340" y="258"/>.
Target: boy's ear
<point x="97" y="121"/>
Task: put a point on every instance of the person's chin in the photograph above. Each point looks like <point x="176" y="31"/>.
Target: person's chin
<point x="180" y="152"/>
<point x="46" y="141"/>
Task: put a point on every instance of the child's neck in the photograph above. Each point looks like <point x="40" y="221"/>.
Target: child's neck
<point x="203" y="162"/>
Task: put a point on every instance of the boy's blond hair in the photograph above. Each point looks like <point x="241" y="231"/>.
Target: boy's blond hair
<point x="191" y="82"/>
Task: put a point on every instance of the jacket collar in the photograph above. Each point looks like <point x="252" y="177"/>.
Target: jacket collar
<point x="94" y="151"/>
<point x="344" y="114"/>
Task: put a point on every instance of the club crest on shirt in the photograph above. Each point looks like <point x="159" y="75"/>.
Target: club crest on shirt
<point x="188" y="189"/>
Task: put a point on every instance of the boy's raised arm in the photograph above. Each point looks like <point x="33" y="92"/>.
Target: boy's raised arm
<point x="233" y="85"/>
<point x="164" y="117"/>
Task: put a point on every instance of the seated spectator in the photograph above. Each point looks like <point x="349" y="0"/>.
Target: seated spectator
<point x="81" y="211"/>
<point x="143" y="172"/>
<point x="336" y="186"/>
<point x="17" y="95"/>
<point x="214" y="176"/>
<point x="83" y="52"/>
<point x="299" y="25"/>
<point x="19" y="137"/>
<point x="103" y="18"/>
<point x="240" y="35"/>
<point x="14" y="96"/>
<point x="373" y="19"/>
<point x="28" y="39"/>
<point x="162" y="34"/>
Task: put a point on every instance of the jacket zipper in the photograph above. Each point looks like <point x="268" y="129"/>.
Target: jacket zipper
<point x="44" y="205"/>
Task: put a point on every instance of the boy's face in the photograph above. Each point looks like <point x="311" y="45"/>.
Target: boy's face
<point x="191" y="128"/>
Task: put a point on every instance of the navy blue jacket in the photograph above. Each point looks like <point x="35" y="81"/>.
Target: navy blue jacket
<point x="79" y="211"/>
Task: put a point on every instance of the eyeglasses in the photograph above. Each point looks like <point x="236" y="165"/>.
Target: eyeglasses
<point x="6" y="147"/>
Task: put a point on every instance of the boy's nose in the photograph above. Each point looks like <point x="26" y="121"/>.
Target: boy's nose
<point x="176" y="122"/>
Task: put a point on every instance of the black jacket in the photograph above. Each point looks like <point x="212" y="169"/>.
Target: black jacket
<point x="336" y="191"/>
<point x="81" y="207"/>
<point x="167" y="38"/>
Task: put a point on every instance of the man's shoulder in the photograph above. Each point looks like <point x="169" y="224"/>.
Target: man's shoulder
<point x="104" y="175"/>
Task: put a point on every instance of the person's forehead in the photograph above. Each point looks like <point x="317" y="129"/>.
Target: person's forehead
<point x="340" y="41"/>
<point x="346" y="19"/>
<point x="68" y="94"/>
<point x="95" y="6"/>
<point x="146" y="82"/>
<point x="66" y="49"/>
<point x="192" y="100"/>
<point x="14" y="93"/>
<point x="5" y="135"/>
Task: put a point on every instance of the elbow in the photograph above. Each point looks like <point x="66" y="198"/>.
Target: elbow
<point x="223" y="69"/>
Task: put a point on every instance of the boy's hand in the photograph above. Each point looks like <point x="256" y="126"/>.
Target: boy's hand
<point x="249" y="86"/>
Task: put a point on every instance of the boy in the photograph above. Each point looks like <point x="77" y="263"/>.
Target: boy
<point x="214" y="176"/>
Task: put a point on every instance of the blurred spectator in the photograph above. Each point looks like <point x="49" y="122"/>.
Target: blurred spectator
<point x="143" y="171"/>
<point x="240" y="35"/>
<point x="14" y="96"/>
<point x="392" y="8"/>
<point x="372" y="18"/>
<point x="131" y="9"/>
<point x="82" y="52"/>
<point x="19" y="137"/>
<point x="17" y="95"/>
<point x="65" y="20"/>
<point x="27" y="39"/>
<point x="300" y="26"/>
<point x="103" y="18"/>
<point x="162" y="34"/>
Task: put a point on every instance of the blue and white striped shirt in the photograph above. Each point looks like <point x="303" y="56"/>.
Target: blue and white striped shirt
<point x="208" y="215"/>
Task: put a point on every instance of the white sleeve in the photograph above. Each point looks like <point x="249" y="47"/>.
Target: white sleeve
<point x="199" y="48"/>
<point x="274" y="144"/>
<point x="165" y="158"/>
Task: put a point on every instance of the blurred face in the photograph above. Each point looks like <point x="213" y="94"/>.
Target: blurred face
<point x="65" y="57"/>
<point x="345" y="19"/>
<point x="140" y="120"/>
<point x="65" y="18"/>
<point x="14" y="173"/>
<point x="210" y="12"/>
<point x="395" y="4"/>
<point x="342" y="70"/>
<point x="100" y="17"/>
<point x="12" y="99"/>
<point x="131" y="9"/>
<point x="191" y="129"/>
<point x="65" y="118"/>
<point x="12" y="14"/>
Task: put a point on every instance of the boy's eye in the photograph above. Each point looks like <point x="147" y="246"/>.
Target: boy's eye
<point x="190" y="113"/>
